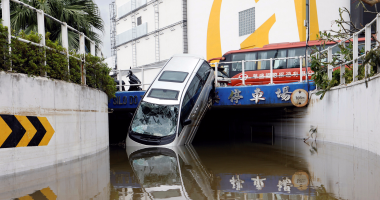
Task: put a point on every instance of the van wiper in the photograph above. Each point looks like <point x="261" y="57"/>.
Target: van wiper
<point x="151" y="136"/>
<point x="147" y="136"/>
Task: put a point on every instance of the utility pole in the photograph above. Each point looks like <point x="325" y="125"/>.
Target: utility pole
<point x="307" y="24"/>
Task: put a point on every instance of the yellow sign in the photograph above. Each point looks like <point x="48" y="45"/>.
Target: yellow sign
<point x="23" y="131"/>
<point x="299" y="98"/>
<point x="300" y="180"/>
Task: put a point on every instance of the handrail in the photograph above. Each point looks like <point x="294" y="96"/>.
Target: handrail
<point x="5" y="4"/>
<point x="271" y="73"/>
<point x="356" y="57"/>
<point x="134" y="69"/>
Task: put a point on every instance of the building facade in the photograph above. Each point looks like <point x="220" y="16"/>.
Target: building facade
<point x="149" y="32"/>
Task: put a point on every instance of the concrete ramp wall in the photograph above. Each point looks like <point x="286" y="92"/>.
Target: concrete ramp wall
<point x="77" y="115"/>
<point x="348" y="115"/>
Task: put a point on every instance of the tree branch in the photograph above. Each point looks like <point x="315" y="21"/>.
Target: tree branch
<point x="371" y="2"/>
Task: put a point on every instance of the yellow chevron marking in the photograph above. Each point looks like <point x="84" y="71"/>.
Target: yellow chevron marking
<point x="27" y="197"/>
<point x="30" y="131"/>
<point x="49" y="131"/>
<point x="5" y="131"/>
<point x="49" y="194"/>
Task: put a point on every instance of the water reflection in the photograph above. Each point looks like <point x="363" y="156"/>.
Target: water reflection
<point x="179" y="173"/>
<point x="88" y="178"/>
<point x="171" y="173"/>
<point x="291" y="169"/>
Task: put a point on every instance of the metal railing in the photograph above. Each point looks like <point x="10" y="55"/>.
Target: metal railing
<point x="5" y="5"/>
<point x="138" y="69"/>
<point x="355" y="55"/>
<point x="269" y="75"/>
<point x="355" y="51"/>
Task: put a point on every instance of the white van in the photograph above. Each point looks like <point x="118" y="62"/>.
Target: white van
<point x="172" y="108"/>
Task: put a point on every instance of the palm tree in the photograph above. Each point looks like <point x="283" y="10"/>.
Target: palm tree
<point x="83" y="15"/>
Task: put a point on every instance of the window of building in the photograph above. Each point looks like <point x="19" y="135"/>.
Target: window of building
<point x="247" y="21"/>
<point x="139" y="21"/>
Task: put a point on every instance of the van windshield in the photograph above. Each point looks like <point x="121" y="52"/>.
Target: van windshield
<point x="156" y="120"/>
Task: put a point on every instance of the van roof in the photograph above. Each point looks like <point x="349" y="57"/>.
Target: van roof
<point x="182" y="63"/>
<point x="285" y="45"/>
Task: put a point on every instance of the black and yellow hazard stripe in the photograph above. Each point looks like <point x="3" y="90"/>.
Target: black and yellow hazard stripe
<point x="23" y="131"/>
<point x="44" y="194"/>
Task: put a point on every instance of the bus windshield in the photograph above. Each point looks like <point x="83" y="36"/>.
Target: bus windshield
<point x="156" y="120"/>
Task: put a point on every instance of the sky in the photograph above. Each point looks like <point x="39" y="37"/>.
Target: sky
<point x="105" y="14"/>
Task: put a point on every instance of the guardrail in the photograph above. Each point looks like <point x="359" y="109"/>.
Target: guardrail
<point x="271" y="74"/>
<point x="5" y="5"/>
<point x="355" y="55"/>
<point x="142" y="69"/>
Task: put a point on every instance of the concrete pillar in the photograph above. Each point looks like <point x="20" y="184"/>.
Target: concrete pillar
<point x="6" y="17"/>
<point x="93" y="48"/>
<point x="99" y="53"/>
<point x="65" y="42"/>
<point x="41" y="31"/>
<point x="355" y="56"/>
<point x="367" y="47"/>
<point x="82" y="53"/>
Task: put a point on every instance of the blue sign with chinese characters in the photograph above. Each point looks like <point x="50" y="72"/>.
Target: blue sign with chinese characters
<point x="259" y="95"/>
<point x="251" y="96"/>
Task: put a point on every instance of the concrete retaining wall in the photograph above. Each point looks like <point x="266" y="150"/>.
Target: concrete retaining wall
<point x="88" y="178"/>
<point x="78" y="115"/>
<point x="347" y="115"/>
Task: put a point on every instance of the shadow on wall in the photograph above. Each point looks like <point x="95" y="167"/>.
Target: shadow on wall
<point x="235" y="125"/>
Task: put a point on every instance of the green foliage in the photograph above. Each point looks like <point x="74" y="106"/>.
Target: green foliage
<point x="30" y="59"/>
<point x="97" y="75"/>
<point x="82" y="15"/>
<point x="56" y="60"/>
<point x="26" y="58"/>
<point x="75" y="68"/>
<point x="320" y="63"/>
<point x="320" y="76"/>
<point x="4" y="49"/>
<point x="322" y="194"/>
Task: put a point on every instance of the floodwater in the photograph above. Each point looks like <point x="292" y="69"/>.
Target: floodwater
<point x="289" y="169"/>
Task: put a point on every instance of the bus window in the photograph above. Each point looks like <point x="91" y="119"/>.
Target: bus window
<point x="295" y="63"/>
<point x="248" y="66"/>
<point x="227" y="69"/>
<point x="262" y="65"/>
<point x="335" y="52"/>
<point x="280" y="64"/>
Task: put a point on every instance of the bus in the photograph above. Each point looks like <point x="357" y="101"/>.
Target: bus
<point x="258" y="72"/>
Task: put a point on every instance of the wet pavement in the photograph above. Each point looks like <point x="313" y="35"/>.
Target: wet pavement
<point x="288" y="169"/>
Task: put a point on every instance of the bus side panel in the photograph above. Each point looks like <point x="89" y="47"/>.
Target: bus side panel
<point x="262" y="77"/>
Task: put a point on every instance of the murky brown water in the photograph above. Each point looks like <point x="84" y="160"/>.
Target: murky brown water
<point x="290" y="169"/>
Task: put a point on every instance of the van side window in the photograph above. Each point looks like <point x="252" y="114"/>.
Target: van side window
<point x="189" y="99"/>
<point x="204" y="71"/>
